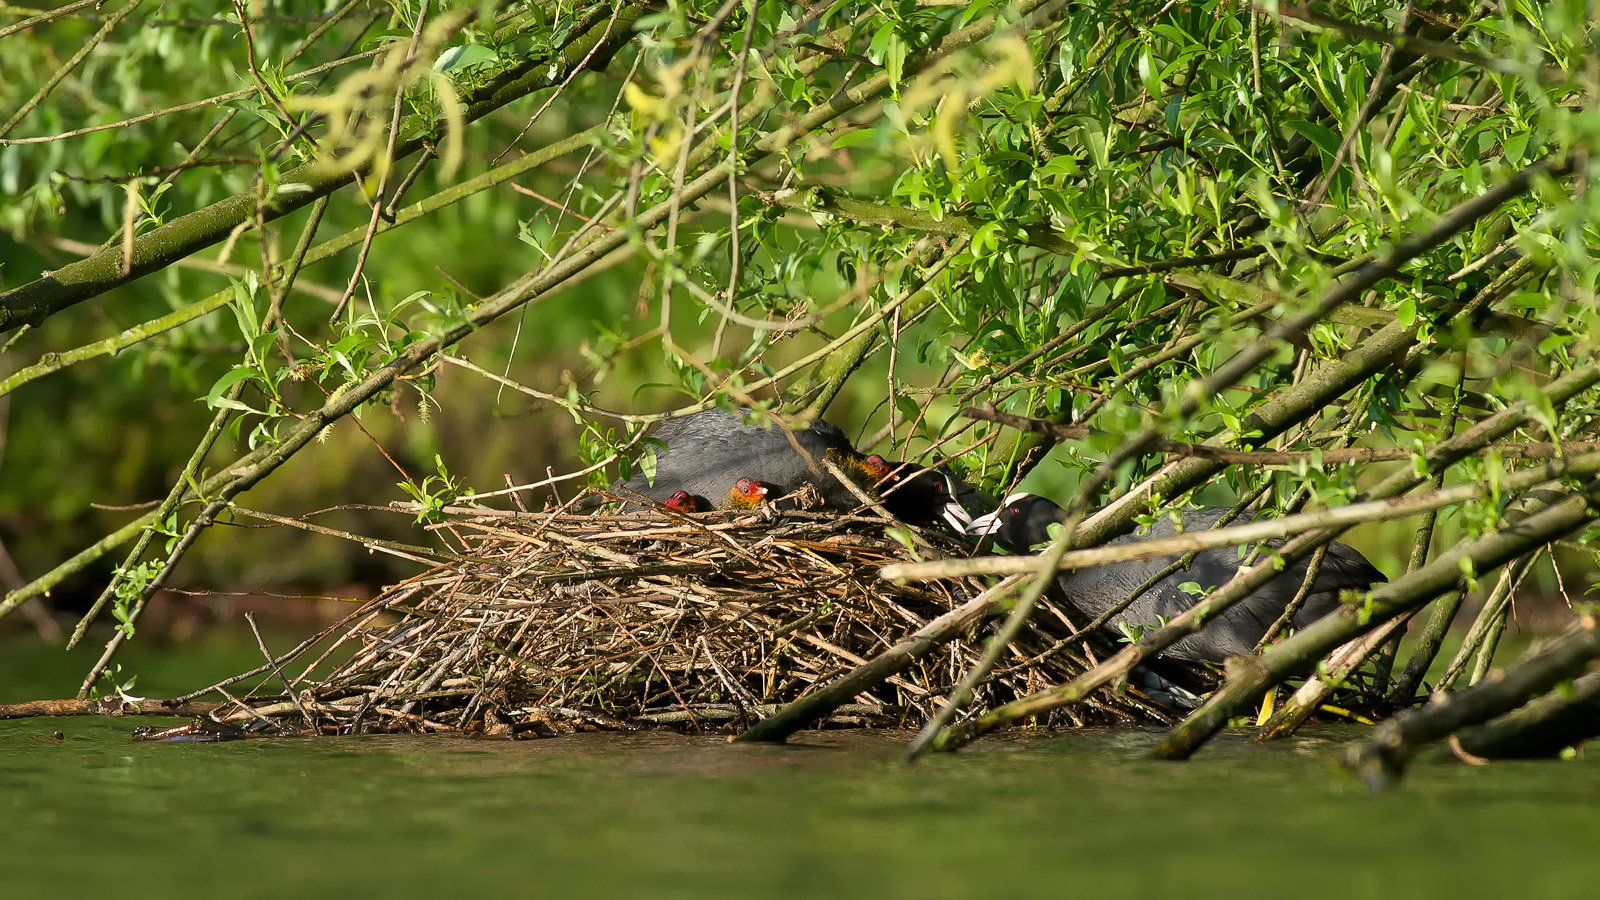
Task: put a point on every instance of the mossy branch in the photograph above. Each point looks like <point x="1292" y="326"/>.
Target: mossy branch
<point x="1382" y="759"/>
<point x="1542" y="728"/>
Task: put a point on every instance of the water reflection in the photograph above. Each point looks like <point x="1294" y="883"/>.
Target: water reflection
<point x="666" y="815"/>
<point x="1082" y="814"/>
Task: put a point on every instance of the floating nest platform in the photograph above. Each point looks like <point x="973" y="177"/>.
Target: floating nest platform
<point x="550" y="622"/>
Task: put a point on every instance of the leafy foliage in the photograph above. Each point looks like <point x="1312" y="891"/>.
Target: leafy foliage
<point x="888" y="212"/>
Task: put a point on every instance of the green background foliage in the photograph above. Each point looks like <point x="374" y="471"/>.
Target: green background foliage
<point x="884" y="212"/>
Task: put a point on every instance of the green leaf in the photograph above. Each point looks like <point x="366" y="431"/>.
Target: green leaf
<point x="214" y="398"/>
<point x="1554" y="342"/>
<point x="855" y="138"/>
<point x="244" y="309"/>
<point x="1149" y="75"/>
<point x="1406" y="312"/>
<point x="1516" y="147"/>
<point x="888" y="49"/>
<point x="1324" y="138"/>
<point x="1061" y="165"/>
<point x="465" y="57"/>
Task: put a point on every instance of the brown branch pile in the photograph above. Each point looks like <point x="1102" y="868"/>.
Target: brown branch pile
<point x="551" y="622"/>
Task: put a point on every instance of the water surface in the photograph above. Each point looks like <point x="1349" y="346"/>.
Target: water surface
<point x="833" y="814"/>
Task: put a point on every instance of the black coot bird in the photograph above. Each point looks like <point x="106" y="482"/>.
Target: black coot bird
<point x="927" y="496"/>
<point x="708" y="452"/>
<point x="1023" y="521"/>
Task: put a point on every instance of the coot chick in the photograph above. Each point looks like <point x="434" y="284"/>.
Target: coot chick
<point x="746" y="493"/>
<point x="1023" y="521"/>
<point x="682" y="501"/>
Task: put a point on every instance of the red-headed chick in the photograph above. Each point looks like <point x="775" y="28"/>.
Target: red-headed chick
<point x="746" y="493"/>
<point x="878" y="469"/>
<point x="683" y="502"/>
<point x="868" y="472"/>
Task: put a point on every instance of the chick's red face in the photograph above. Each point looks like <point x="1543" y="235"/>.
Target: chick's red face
<point x="750" y="488"/>
<point x="877" y="467"/>
<point x="682" y="502"/>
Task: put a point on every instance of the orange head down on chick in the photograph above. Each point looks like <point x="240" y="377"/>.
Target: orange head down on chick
<point x="870" y="473"/>
<point x="746" y="493"/>
<point x="683" y="501"/>
<point x="878" y="469"/>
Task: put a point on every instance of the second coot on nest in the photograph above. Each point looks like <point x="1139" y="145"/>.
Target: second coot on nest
<point x="1023" y="521"/>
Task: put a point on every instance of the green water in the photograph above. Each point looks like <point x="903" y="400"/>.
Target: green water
<point x="1079" y="815"/>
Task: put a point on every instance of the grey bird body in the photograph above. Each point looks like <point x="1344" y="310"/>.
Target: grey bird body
<point x="707" y="452"/>
<point x="1023" y="522"/>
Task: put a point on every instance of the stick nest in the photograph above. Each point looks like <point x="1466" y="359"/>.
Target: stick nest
<point x="551" y="622"/>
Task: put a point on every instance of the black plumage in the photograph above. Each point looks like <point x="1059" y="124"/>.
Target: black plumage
<point x="708" y="452"/>
<point x="926" y="496"/>
<point x="1023" y="521"/>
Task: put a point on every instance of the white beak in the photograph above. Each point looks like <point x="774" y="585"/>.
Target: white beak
<point x="984" y="525"/>
<point x="956" y="516"/>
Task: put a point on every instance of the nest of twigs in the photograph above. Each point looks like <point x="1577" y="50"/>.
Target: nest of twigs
<point x="549" y="622"/>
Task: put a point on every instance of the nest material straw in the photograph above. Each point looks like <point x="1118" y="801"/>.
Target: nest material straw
<point x="707" y="622"/>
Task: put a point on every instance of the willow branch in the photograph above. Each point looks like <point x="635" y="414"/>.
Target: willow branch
<point x="1383" y="349"/>
<point x="533" y="286"/>
<point x="1300" y="652"/>
<point x="1382" y="759"/>
<point x="1586" y="465"/>
<point x="54" y="362"/>
<point x="1412" y="44"/>
<point x="66" y="68"/>
<point x="43" y="17"/>
<point x="1249" y="580"/>
<point x="1543" y="727"/>
<point x="164" y="245"/>
<point x="1333" y="457"/>
<point x="169" y="505"/>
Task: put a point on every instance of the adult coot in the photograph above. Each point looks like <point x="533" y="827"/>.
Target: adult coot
<point x="1023" y="521"/>
<point x="707" y="450"/>
<point x="927" y="496"/>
